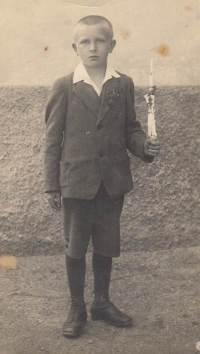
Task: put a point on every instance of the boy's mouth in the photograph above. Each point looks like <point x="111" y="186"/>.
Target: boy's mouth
<point x="93" y="56"/>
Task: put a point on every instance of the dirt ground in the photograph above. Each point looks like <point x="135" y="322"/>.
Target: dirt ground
<point x="159" y="289"/>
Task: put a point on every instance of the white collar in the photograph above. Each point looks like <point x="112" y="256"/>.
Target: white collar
<point x="80" y="74"/>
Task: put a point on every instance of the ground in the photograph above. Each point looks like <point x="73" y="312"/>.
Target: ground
<point x="159" y="289"/>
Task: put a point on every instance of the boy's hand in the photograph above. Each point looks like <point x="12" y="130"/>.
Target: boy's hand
<point x="54" y="199"/>
<point x="151" y="147"/>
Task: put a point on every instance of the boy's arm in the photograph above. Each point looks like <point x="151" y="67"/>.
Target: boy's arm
<point x="55" y="123"/>
<point x="135" y="137"/>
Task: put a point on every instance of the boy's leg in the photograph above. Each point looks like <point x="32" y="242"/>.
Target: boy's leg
<point x="78" y="216"/>
<point x="76" y="279"/>
<point x="106" y="244"/>
<point x="102" y="267"/>
<point x="102" y="308"/>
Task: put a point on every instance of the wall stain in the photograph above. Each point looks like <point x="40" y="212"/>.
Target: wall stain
<point x="46" y="48"/>
<point x="125" y="33"/>
<point x="163" y="50"/>
<point x="188" y="8"/>
<point x="7" y="262"/>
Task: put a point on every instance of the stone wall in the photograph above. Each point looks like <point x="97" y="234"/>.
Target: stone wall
<point x="162" y="211"/>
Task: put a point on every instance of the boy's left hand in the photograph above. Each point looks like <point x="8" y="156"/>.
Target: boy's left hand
<point x="151" y="147"/>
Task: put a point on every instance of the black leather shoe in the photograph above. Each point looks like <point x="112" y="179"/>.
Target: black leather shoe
<point x="107" y="311"/>
<point x="76" y="320"/>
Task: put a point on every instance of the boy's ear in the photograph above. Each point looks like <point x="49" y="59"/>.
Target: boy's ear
<point x="75" y="48"/>
<point x="112" y="45"/>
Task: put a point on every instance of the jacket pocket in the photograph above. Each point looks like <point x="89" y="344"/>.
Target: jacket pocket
<point x="123" y="164"/>
<point x="64" y="174"/>
<point x="121" y="170"/>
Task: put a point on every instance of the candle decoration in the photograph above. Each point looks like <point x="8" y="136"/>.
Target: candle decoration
<point x="150" y="99"/>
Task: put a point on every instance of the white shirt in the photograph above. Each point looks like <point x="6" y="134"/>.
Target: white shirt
<point x="80" y="74"/>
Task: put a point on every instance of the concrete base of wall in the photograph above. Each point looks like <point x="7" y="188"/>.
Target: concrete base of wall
<point x="162" y="211"/>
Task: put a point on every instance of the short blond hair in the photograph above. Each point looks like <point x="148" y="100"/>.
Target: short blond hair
<point x="95" y="20"/>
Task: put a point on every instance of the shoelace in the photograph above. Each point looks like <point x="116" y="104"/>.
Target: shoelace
<point x="72" y="314"/>
<point x="75" y="310"/>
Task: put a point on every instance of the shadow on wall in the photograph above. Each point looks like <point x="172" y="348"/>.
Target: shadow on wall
<point x="161" y="212"/>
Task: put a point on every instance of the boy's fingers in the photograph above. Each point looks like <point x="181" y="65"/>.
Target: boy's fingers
<point x="55" y="206"/>
<point x="58" y="202"/>
<point x="154" y="152"/>
<point x="54" y="200"/>
<point x="154" y="148"/>
<point x="52" y="204"/>
<point x="154" y="145"/>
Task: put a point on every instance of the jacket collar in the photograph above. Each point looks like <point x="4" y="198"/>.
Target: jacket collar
<point x="80" y="74"/>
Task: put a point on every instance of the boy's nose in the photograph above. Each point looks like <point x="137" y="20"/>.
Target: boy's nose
<point x="93" y="47"/>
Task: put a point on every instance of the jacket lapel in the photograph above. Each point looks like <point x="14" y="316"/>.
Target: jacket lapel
<point x="112" y="91"/>
<point x="88" y="96"/>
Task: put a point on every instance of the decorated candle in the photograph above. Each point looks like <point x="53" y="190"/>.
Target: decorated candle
<point x="150" y="100"/>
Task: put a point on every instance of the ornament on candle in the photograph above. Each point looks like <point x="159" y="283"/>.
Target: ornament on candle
<point x="150" y="99"/>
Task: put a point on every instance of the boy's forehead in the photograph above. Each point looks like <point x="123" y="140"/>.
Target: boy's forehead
<point x="82" y="30"/>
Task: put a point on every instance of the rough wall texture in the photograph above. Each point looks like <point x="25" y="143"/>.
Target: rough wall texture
<point x="161" y="212"/>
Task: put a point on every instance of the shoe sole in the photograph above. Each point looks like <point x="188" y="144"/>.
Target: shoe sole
<point x="100" y="317"/>
<point x="72" y="335"/>
<point x="69" y="335"/>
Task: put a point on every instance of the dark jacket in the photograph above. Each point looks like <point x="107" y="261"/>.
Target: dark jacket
<point x="87" y="138"/>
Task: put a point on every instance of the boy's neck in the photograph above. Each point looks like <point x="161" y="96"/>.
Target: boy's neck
<point x="96" y="73"/>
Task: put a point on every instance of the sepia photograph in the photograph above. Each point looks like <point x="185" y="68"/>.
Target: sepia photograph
<point x="100" y="169"/>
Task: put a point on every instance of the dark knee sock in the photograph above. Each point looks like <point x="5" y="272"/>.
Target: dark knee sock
<point x="76" y="277"/>
<point x="102" y="267"/>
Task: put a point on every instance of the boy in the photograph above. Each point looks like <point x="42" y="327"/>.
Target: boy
<point x="91" y="122"/>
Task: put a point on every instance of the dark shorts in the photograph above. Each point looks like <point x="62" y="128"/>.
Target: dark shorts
<point x="98" y="219"/>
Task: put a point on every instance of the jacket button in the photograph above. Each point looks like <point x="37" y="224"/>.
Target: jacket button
<point x="101" y="154"/>
<point x="100" y="126"/>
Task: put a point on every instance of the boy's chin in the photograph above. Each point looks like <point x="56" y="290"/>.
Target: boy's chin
<point x="96" y="64"/>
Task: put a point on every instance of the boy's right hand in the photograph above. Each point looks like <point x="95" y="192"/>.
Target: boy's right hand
<point x="54" y="199"/>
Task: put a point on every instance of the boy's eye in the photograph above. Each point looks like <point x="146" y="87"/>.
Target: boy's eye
<point x="85" y="41"/>
<point x="100" y="40"/>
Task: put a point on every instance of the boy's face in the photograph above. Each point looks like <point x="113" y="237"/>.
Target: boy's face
<point x="93" y="44"/>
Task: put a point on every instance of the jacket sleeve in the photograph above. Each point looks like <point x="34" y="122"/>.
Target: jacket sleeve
<point x="55" y="117"/>
<point x="134" y="135"/>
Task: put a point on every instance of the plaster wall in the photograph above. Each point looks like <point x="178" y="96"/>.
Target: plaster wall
<point x="161" y="212"/>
